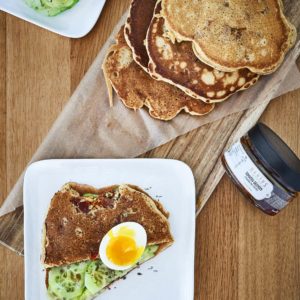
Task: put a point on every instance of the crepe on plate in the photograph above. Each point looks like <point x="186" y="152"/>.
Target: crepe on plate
<point x="136" y="88"/>
<point x="78" y="218"/>
<point x="176" y="63"/>
<point x="232" y="34"/>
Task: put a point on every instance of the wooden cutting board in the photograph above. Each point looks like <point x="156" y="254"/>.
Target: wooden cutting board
<point x="201" y="149"/>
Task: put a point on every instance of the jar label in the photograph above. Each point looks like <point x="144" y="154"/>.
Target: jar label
<point x="247" y="173"/>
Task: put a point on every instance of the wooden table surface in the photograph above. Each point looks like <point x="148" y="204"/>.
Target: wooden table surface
<point x="240" y="252"/>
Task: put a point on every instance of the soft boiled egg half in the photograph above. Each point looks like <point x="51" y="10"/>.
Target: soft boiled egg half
<point x="122" y="247"/>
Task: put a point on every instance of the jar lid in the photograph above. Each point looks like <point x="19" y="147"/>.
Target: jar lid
<point x="275" y="153"/>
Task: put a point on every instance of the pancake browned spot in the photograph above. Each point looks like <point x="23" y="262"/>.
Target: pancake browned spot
<point x="233" y="34"/>
<point x="136" y="88"/>
<point x="177" y="64"/>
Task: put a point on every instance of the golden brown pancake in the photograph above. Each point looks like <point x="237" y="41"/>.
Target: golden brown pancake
<point x="136" y="88"/>
<point x="232" y="34"/>
<point x="140" y="15"/>
<point x="75" y="224"/>
<point x="177" y="64"/>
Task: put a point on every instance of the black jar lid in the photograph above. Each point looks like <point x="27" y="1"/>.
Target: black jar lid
<point x="275" y="154"/>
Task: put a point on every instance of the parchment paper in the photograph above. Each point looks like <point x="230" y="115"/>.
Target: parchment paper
<point x="89" y="128"/>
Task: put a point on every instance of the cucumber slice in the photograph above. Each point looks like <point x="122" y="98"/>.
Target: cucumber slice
<point x="59" y="4"/>
<point x="149" y="253"/>
<point x="87" y="295"/>
<point x="50" y="12"/>
<point x="43" y="9"/>
<point x="84" y="280"/>
<point x="67" y="282"/>
<point x="35" y="4"/>
<point x="51" y="8"/>
<point x="97" y="276"/>
<point x="52" y="296"/>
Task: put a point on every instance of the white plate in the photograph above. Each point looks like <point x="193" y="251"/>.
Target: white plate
<point x="170" y="181"/>
<point x="75" y="22"/>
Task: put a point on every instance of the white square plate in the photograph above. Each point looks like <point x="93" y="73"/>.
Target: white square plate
<point x="171" y="181"/>
<point x="75" y="22"/>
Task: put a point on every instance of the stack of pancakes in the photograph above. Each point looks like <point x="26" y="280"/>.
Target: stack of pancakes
<point x="175" y="55"/>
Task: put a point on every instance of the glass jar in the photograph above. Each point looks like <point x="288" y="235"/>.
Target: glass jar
<point x="264" y="168"/>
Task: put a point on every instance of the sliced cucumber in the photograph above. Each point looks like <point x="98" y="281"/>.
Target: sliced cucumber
<point x="149" y="253"/>
<point x="87" y="295"/>
<point x="52" y="296"/>
<point x="119" y="274"/>
<point x="51" y="12"/>
<point x="36" y="4"/>
<point x="59" y="4"/>
<point x="84" y="280"/>
<point x="51" y="7"/>
<point x="67" y="282"/>
<point x="41" y="8"/>
<point x="96" y="276"/>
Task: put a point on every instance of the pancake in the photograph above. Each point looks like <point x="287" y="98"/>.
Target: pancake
<point x="136" y="88"/>
<point x="177" y="64"/>
<point x="75" y="224"/>
<point x="232" y="34"/>
<point x="140" y="15"/>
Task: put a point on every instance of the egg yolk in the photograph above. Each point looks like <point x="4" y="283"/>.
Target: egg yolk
<point x="123" y="251"/>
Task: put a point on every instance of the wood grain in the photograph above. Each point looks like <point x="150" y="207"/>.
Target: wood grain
<point x="38" y="84"/>
<point x="2" y="106"/>
<point x="240" y="253"/>
<point x="11" y="268"/>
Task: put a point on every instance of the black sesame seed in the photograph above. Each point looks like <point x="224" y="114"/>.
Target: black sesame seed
<point x="139" y="273"/>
